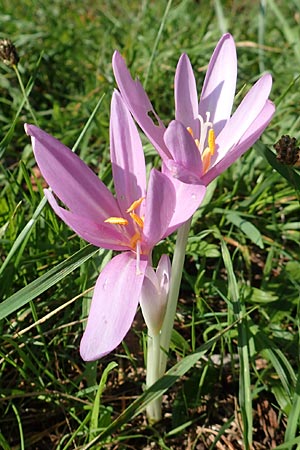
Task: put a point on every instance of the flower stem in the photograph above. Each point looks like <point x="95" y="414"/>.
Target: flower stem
<point x="176" y="275"/>
<point x="25" y="94"/>
<point x="153" y="409"/>
<point x="158" y="345"/>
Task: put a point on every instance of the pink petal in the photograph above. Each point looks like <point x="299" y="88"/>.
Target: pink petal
<point x="220" y="82"/>
<point x="139" y="104"/>
<point x="186" y="97"/>
<point x="248" y="139"/>
<point x="154" y="294"/>
<point x="160" y="207"/>
<point x="163" y="272"/>
<point x="70" y="178"/>
<point x="113" y="307"/>
<point x="188" y="198"/>
<point x="244" y="116"/>
<point x="178" y="171"/>
<point x="183" y="148"/>
<point x="97" y="233"/>
<point x="127" y="155"/>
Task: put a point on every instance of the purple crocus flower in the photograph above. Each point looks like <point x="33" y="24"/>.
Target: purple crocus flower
<point x="204" y="139"/>
<point x="133" y="222"/>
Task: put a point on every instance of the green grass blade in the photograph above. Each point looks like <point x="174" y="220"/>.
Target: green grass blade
<point x="41" y="284"/>
<point x="158" y="388"/>
<point x="23" y="235"/>
<point x="293" y="419"/>
<point x="289" y="444"/>
<point x="96" y="405"/>
<point x="28" y="227"/>
<point x="291" y="33"/>
<point x="159" y="33"/>
<point x="243" y="349"/>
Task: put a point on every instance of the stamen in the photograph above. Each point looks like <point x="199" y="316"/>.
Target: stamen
<point x="117" y="221"/>
<point x="135" y="204"/>
<point x="203" y="130"/>
<point x="134" y="240"/>
<point x="138" y="220"/>
<point x="206" y="158"/>
<point x="190" y="131"/>
<point x="211" y="141"/>
<point x="138" y="257"/>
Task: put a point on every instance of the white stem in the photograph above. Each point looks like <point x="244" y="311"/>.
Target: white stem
<point x="153" y="409"/>
<point x="176" y="275"/>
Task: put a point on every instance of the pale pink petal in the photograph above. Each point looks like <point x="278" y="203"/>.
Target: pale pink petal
<point x="186" y="97"/>
<point x="183" y="148"/>
<point x="220" y="82"/>
<point x="139" y="105"/>
<point x="248" y="139"/>
<point x="97" y="233"/>
<point x="188" y="198"/>
<point x="244" y="116"/>
<point x="150" y="301"/>
<point x="154" y="294"/>
<point x="127" y="155"/>
<point x="178" y="171"/>
<point x="113" y="307"/>
<point x="160" y="207"/>
<point x="70" y="178"/>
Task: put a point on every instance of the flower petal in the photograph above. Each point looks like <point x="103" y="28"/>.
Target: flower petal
<point x="139" y="104"/>
<point x="188" y="198"/>
<point x="70" y="178"/>
<point x="93" y="231"/>
<point x="113" y="307"/>
<point x="244" y="116"/>
<point x="186" y="97"/>
<point x="160" y="207"/>
<point x="248" y="139"/>
<point x="154" y="294"/>
<point x="220" y="82"/>
<point x="183" y="148"/>
<point x="178" y="171"/>
<point x="127" y="155"/>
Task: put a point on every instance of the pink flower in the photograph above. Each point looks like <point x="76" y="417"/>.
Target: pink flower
<point x="133" y="222"/>
<point x="205" y="139"/>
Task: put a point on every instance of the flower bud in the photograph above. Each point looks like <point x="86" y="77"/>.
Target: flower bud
<point x="154" y="294"/>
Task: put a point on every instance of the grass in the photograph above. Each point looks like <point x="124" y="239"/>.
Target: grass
<point x="236" y="336"/>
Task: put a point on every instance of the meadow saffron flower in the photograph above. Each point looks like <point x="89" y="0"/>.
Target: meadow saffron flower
<point x="204" y="139"/>
<point x="154" y="294"/>
<point x="133" y="222"/>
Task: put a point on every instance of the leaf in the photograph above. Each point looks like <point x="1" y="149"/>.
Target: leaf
<point x="96" y="406"/>
<point x="157" y="389"/>
<point x="41" y="284"/>
<point x="246" y="227"/>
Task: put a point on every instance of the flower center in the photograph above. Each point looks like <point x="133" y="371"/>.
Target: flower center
<point x="207" y="134"/>
<point x="138" y="223"/>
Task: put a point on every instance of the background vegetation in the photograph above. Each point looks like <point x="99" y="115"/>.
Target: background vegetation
<point x="242" y="258"/>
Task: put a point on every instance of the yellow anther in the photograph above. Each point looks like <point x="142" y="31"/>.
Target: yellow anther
<point x="116" y="221"/>
<point x="134" y="240"/>
<point x="138" y="220"/>
<point x="135" y="204"/>
<point x="206" y="157"/>
<point x="197" y="142"/>
<point x="211" y="141"/>
<point x="190" y="131"/>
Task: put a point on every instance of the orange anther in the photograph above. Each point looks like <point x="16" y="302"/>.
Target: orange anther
<point x="117" y="221"/>
<point x="135" y="204"/>
<point x="138" y="220"/>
